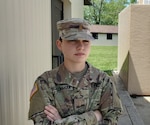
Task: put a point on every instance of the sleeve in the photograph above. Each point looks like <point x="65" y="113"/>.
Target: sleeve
<point x="42" y="96"/>
<point x="38" y="100"/>
<point x="87" y="118"/>
<point x="110" y="104"/>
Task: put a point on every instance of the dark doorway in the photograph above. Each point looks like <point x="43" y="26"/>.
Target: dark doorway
<point x="57" y="14"/>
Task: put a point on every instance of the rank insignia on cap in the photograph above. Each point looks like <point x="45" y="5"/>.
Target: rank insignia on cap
<point x="34" y="90"/>
<point x="80" y="27"/>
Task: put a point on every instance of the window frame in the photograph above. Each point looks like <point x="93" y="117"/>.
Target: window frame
<point x="109" y="36"/>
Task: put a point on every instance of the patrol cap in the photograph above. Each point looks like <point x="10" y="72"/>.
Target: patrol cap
<point x="74" y="29"/>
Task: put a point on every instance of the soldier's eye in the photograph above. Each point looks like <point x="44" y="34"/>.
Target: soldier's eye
<point x="85" y="41"/>
<point x="71" y="40"/>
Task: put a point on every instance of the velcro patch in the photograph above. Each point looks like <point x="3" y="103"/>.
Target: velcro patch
<point x="34" y="90"/>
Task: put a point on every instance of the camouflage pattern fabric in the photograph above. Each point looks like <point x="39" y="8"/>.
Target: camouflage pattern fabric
<point x="74" y="100"/>
<point x="74" y="29"/>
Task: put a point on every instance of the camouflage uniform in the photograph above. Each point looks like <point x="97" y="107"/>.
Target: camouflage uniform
<point x="74" y="100"/>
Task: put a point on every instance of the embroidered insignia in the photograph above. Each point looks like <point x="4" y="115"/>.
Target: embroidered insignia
<point x="34" y="90"/>
<point x="80" y="27"/>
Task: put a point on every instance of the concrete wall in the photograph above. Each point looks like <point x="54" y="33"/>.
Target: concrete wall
<point x="25" y="52"/>
<point x="124" y="43"/>
<point x="102" y="40"/>
<point x="134" y="39"/>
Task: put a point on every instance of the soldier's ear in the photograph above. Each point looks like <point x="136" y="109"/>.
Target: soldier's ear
<point x="58" y="43"/>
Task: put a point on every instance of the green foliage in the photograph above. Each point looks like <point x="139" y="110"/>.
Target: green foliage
<point x="104" y="11"/>
<point x="133" y="1"/>
<point x="104" y="57"/>
<point x="111" y="11"/>
<point x="93" y="13"/>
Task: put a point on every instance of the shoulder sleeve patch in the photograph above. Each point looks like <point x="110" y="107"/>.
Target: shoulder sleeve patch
<point x="34" y="90"/>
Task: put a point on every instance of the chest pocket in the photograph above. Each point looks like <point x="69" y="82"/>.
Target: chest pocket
<point x="63" y="100"/>
<point x="81" y="100"/>
<point x="70" y="100"/>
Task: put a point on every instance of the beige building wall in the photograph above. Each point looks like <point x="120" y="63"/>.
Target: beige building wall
<point x="73" y="8"/>
<point x="143" y="1"/>
<point x="124" y="43"/>
<point x="134" y="48"/>
<point x="25" y="52"/>
<point x="140" y="1"/>
<point x="67" y="9"/>
<point x="77" y="8"/>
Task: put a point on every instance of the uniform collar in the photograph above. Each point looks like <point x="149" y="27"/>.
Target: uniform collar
<point x="63" y="76"/>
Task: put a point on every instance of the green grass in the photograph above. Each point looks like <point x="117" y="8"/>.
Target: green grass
<point x="104" y="57"/>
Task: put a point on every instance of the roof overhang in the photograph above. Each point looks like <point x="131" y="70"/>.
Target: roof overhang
<point x="87" y="2"/>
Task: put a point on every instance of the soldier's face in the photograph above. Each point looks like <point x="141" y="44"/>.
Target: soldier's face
<point x="76" y="51"/>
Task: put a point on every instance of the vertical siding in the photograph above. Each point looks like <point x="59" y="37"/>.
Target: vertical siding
<point x="25" y="53"/>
